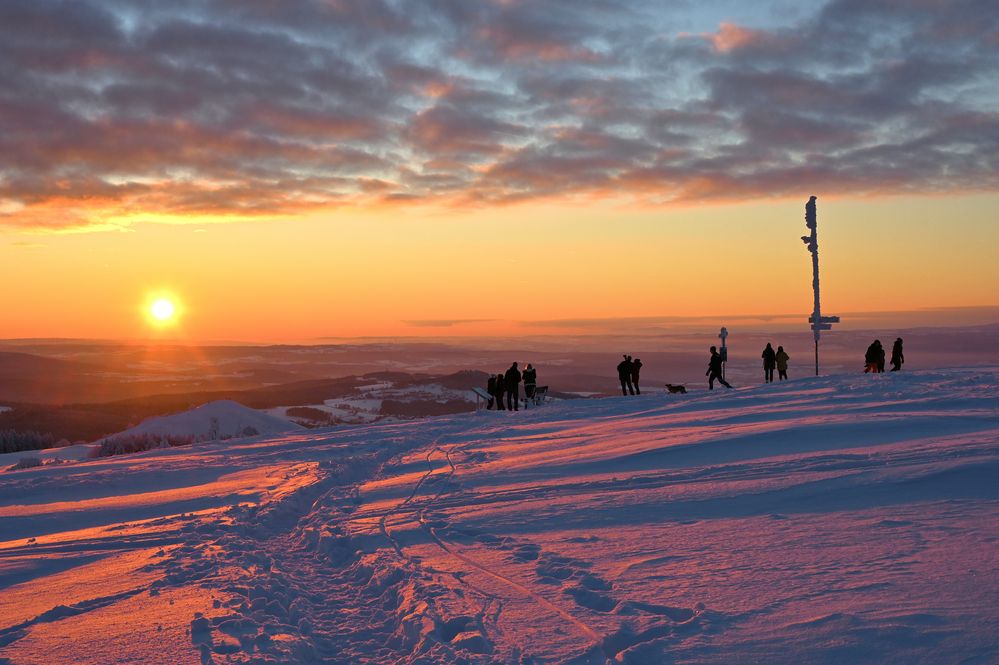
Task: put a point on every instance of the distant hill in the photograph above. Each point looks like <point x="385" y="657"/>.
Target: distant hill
<point x="413" y="395"/>
<point x="25" y="377"/>
<point x="45" y="379"/>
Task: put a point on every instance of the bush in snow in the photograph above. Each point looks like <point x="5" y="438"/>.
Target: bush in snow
<point x="29" y="462"/>
<point x="310" y="416"/>
<point x="137" y="443"/>
<point x="12" y="441"/>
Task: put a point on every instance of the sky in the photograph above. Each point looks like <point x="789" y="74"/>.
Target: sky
<point x="336" y="168"/>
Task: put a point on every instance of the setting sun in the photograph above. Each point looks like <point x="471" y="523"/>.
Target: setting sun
<point x="162" y="310"/>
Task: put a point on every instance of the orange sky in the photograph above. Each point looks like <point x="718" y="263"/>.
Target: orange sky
<point x="426" y="169"/>
<point x="400" y="272"/>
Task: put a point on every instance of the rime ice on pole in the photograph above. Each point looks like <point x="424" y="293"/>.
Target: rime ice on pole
<point x="819" y="322"/>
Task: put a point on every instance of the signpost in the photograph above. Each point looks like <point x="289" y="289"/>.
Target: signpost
<point x="723" y="352"/>
<point x="819" y="322"/>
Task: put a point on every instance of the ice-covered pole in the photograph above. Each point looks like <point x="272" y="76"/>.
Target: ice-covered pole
<point x="819" y="322"/>
<point x="723" y="335"/>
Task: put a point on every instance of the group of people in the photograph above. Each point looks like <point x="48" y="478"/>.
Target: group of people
<point x="874" y="359"/>
<point x="508" y="385"/>
<point x="629" y="371"/>
<point x="774" y="360"/>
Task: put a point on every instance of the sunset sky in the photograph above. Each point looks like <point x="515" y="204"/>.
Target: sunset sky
<point x="294" y="170"/>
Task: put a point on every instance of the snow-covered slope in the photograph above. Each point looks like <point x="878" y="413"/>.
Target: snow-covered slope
<point x="223" y="419"/>
<point x="72" y="453"/>
<point x="834" y="520"/>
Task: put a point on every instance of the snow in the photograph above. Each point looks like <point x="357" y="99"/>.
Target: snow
<point x="72" y="453"/>
<point x="846" y="519"/>
<point x="229" y="419"/>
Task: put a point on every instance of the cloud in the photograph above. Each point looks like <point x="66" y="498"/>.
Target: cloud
<point x="444" y="323"/>
<point x="731" y="37"/>
<point x="114" y="109"/>
<point x="892" y="320"/>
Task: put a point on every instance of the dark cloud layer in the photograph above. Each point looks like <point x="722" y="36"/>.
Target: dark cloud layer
<point x="114" y="107"/>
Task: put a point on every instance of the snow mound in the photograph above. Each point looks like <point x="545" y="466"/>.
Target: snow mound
<point x="223" y="419"/>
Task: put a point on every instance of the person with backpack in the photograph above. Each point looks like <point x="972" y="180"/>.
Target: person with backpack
<point x="491" y="390"/>
<point x="782" y="359"/>
<point x="874" y="352"/>
<point x="769" y="363"/>
<point x="500" y="381"/>
<point x="636" y="369"/>
<point x="624" y="374"/>
<point x="530" y="383"/>
<point x="511" y="383"/>
<point x="715" y="370"/>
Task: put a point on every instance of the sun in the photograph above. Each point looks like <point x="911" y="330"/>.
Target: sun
<point x="162" y="310"/>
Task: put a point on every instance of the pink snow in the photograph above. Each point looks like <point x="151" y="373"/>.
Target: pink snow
<point x="847" y="519"/>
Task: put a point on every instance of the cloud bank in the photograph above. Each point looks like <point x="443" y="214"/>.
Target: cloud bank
<point x="112" y="108"/>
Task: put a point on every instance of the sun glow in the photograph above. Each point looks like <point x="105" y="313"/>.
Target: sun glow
<point x="162" y="310"/>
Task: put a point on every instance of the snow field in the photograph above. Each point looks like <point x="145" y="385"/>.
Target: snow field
<point x="841" y="519"/>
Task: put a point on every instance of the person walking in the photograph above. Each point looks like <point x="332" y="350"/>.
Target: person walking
<point x="511" y="382"/>
<point x="500" y="380"/>
<point x="636" y="370"/>
<point x="715" y="370"/>
<point x="530" y="383"/>
<point x="624" y="374"/>
<point x="782" y="359"/>
<point x="491" y="390"/>
<point x="881" y="358"/>
<point x="874" y="352"/>
<point x="769" y="363"/>
<point x="897" y="357"/>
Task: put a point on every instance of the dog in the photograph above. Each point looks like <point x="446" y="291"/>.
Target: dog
<point x="676" y="389"/>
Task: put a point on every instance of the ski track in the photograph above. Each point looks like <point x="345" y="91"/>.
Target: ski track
<point x="486" y="623"/>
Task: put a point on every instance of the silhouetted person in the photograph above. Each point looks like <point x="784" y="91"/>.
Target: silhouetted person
<point x="491" y="389"/>
<point x="769" y="363"/>
<point x="897" y="357"/>
<point x="715" y="370"/>
<point x="624" y="374"/>
<point x="636" y="370"/>
<point x="500" y="380"/>
<point x="881" y="358"/>
<point x="530" y="383"/>
<point x="511" y="382"/>
<point x="874" y="352"/>
<point x="782" y="359"/>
